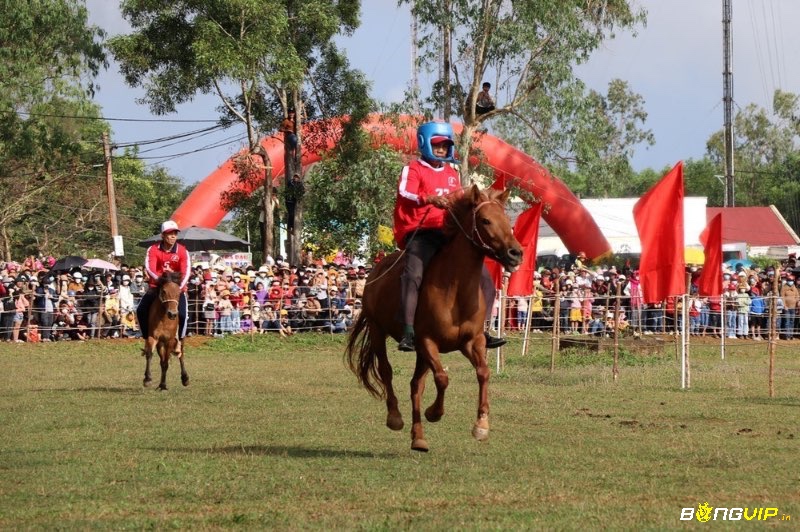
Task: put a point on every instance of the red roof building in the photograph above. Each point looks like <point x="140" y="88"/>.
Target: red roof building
<point x="758" y="227"/>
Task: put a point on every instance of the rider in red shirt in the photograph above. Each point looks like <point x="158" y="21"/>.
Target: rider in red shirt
<point x="166" y="256"/>
<point x="420" y="213"/>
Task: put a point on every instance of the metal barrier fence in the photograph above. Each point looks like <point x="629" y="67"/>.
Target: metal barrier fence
<point x="81" y="317"/>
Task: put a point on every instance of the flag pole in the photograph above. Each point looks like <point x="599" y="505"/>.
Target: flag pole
<point x="556" y="325"/>
<point x="528" y="320"/>
<point x="615" y="368"/>
<point x="773" y="330"/>
<point x="684" y="327"/>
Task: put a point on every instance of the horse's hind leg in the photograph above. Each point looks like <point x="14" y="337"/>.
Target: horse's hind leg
<point x="430" y="351"/>
<point x="148" y="355"/>
<point x="394" y="419"/>
<point x="418" y="442"/>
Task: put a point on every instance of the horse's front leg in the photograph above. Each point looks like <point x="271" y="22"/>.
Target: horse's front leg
<point x="165" y="349"/>
<point x="184" y="373"/>
<point x="430" y="351"/>
<point x="476" y="353"/>
<point x="418" y="442"/>
<point x="149" y="345"/>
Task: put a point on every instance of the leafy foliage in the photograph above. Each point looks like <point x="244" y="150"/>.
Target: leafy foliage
<point x="587" y="138"/>
<point x="256" y="55"/>
<point x="145" y="198"/>
<point x="48" y="56"/>
<point x="349" y="202"/>
<point x="530" y="47"/>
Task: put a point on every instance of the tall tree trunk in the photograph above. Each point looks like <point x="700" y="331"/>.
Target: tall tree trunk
<point x="296" y="236"/>
<point x="6" y="243"/>
<point x="269" y="220"/>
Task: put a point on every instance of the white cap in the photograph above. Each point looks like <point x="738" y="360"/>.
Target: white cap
<point x="77" y="275"/>
<point x="169" y="225"/>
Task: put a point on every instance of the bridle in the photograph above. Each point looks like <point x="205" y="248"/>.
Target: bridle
<point x="477" y="241"/>
<point x="163" y="300"/>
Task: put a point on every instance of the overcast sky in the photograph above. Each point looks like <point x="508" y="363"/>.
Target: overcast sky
<point x="675" y="63"/>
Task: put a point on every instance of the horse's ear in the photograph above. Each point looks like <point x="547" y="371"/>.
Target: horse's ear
<point x="474" y="194"/>
<point x="503" y="196"/>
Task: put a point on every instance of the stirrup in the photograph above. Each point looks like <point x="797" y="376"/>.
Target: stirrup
<point x="493" y="342"/>
<point x="406" y="343"/>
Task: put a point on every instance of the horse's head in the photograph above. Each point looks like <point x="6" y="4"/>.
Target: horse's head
<point x="481" y="216"/>
<point x="169" y="293"/>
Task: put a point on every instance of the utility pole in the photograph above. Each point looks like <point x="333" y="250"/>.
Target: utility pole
<point x="727" y="98"/>
<point x="414" y="77"/>
<point x="446" y="33"/>
<point x="112" y="199"/>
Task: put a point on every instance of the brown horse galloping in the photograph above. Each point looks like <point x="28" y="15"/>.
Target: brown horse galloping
<point x="450" y="311"/>
<point x="162" y="323"/>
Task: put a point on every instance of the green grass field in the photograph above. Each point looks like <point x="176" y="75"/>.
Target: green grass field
<point x="277" y="434"/>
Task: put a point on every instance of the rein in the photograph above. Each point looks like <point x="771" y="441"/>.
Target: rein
<point x="479" y="243"/>
<point x="427" y="211"/>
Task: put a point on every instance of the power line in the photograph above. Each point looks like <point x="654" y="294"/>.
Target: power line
<point x="197" y="132"/>
<point x="115" y="119"/>
<point x="224" y="142"/>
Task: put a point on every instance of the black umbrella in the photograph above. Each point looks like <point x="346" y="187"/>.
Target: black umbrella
<point x="67" y="263"/>
<point x="202" y="239"/>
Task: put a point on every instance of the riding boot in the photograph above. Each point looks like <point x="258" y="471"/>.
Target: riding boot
<point x="493" y="342"/>
<point x="407" y="342"/>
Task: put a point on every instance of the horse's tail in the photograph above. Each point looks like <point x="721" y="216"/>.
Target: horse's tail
<point x="362" y="359"/>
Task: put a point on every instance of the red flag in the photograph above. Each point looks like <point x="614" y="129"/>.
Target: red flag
<point x="659" y="221"/>
<point x="526" y="229"/>
<point x="495" y="271"/>
<point x="710" y="280"/>
<point x="499" y="182"/>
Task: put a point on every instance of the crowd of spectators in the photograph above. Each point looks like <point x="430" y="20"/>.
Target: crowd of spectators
<point x="584" y="301"/>
<point x="39" y="304"/>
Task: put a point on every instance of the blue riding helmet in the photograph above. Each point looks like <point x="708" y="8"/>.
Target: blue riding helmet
<point x="426" y="132"/>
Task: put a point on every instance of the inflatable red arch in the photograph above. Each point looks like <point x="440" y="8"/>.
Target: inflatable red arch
<point x="566" y="215"/>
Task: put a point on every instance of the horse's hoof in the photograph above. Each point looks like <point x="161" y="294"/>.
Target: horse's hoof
<point x="185" y="380"/>
<point x="480" y="433"/>
<point x="419" y="445"/>
<point x="162" y="387"/>
<point x="147" y="383"/>
<point x="433" y="415"/>
<point x="394" y="422"/>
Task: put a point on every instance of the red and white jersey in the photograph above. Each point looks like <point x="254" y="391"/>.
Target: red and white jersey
<point x="419" y="180"/>
<point x="156" y="260"/>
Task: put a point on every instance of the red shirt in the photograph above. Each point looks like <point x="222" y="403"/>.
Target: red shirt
<point x="157" y="258"/>
<point x="419" y="180"/>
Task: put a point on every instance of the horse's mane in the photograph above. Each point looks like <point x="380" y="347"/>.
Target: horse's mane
<point x="169" y="277"/>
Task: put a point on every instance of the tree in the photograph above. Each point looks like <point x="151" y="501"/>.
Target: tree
<point x="765" y="155"/>
<point x="586" y="137"/>
<point x="349" y="202"/>
<point x="48" y="58"/>
<point x="530" y="47"/>
<point x="254" y="54"/>
<point x="145" y="197"/>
